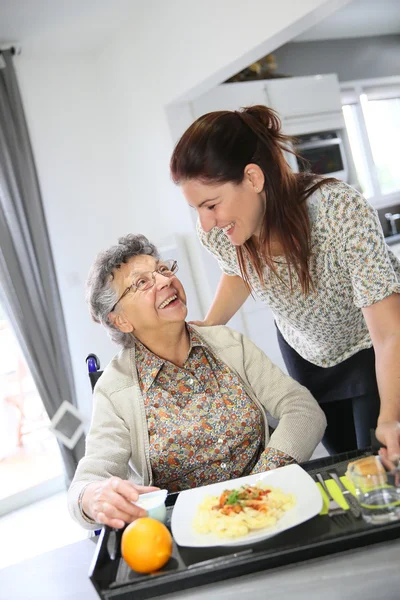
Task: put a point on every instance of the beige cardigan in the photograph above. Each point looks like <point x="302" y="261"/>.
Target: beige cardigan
<point x="118" y="443"/>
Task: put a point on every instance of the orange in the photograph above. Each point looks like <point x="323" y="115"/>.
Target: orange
<point x="146" y="545"/>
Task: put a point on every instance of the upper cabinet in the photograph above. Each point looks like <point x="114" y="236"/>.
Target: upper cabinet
<point x="304" y="104"/>
<point x="230" y="96"/>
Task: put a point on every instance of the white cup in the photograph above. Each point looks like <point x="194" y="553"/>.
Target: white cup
<point x="154" y="504"/>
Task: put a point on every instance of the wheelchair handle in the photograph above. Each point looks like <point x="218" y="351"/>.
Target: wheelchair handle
<point x="93" y="363"/>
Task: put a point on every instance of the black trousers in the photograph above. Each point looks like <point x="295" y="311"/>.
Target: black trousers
<point x="349" y="423"/>
<point x="347" y="393"/>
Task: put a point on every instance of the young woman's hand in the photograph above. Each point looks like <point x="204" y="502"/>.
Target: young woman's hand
<point x="388" y="432"/>
<point x="110" y="502"/>
<point x="200" y="323"/>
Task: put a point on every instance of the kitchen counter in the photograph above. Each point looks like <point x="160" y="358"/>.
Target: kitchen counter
<point x="392" y="239"/>
<point x="363" y="574"/>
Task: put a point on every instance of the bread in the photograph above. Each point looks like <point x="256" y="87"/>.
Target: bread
<point x="370" y="465"/>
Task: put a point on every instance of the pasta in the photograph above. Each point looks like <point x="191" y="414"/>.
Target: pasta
<point x="237" y="512"/>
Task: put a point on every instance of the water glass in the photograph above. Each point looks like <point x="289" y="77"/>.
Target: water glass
<point x="378" y="491"/>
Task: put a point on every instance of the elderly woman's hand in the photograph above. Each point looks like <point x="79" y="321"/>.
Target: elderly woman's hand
<point x="110" y="501"/>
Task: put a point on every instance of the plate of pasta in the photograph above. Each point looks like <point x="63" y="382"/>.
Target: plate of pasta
<point x="245" y="510"/>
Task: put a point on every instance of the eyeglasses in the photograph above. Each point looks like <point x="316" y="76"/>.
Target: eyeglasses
<point x="146" y="280"/>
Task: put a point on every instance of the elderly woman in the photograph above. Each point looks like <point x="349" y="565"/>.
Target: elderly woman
<point x="180" y="406"/>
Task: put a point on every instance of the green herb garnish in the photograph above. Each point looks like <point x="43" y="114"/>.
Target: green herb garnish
<point x="233" y="497"/>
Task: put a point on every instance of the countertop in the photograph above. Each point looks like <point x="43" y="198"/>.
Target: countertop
<point x="363" y="574"/>
<point x="392" y="239"/>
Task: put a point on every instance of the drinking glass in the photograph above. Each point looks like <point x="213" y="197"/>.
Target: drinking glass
<point x="378" y="492"/>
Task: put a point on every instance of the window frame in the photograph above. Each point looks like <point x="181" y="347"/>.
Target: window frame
<point x="352" y="93"/>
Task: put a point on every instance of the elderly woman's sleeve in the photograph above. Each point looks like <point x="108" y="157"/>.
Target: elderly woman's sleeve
<point x="301" y="421"/>
<point x="108" y="450"/>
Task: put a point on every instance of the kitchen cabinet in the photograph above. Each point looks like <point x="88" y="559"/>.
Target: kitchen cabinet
<point x="304" y="104"/>
<point x="230" y="96"/>
<point x="260" y="327"/>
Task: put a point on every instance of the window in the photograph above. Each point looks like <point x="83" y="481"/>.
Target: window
<point x="356" y="145"/>
<point x="382" y="118"/>
<point x="371" y="111"/>
<point x="30" y="460"/>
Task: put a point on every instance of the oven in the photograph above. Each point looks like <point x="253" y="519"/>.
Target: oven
<point x="321" y="153"/>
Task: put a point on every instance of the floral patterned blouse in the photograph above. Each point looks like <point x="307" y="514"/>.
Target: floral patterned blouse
<point x="202" y="425"/>
<point x="351" y="268"/>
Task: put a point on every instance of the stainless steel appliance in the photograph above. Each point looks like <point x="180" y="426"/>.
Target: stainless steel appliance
<point x="322" y="153"/>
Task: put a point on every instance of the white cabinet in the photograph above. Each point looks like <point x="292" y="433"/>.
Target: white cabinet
<point x="302" y="96"/>
<point x="230" y="96"/>
<point x="304" y="104"/>
<point x="260" y="327"/>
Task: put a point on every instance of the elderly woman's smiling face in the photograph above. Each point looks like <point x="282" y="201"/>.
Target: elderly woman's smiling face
<point x="141" y="312"/>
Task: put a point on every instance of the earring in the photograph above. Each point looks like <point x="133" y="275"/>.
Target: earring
<point x="256" y="190"/>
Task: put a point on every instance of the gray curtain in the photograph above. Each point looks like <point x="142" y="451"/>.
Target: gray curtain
<point x="28" y="281"/>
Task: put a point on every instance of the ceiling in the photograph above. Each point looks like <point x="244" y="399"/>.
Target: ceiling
<point x="63" y="25"/>
<point x="84" y="25"/>
<point x="359" y="18"/>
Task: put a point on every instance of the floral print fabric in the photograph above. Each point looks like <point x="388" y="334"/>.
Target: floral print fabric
<point x="202" y="425"/>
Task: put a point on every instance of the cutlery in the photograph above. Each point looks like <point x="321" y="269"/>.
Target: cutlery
<point x="333" y="507"/>
<point x="354" y="506"/>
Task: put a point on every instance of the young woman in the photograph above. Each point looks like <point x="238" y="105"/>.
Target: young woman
<point x="313" y="250"/>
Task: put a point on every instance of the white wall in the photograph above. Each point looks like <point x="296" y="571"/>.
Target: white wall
<point x="102" y="141"/>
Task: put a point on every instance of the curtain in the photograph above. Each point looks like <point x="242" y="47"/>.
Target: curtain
<point x="28" y="283"/>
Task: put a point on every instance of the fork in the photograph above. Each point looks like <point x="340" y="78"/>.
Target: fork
<point x="334" y="508"/>
<point x="347" y="495"/>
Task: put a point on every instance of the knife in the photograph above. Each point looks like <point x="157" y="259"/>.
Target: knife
<point x="348" y="496"/>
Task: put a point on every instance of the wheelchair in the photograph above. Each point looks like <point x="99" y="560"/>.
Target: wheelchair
<point x="93" y="367"/>
<point x="94" y="372"/>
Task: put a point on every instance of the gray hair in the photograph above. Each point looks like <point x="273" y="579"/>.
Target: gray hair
<point x="100" y="295"/>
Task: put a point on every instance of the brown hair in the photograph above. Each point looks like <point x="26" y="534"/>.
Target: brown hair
<point x="216" y="149"/>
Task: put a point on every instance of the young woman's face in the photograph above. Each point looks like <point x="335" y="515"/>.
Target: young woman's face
<point x="235" y="209"/>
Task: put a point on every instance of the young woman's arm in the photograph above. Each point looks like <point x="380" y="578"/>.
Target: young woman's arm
<point x="231" y="294"/>
<point x="383" y="321"/>
<point x="373" y="271"/>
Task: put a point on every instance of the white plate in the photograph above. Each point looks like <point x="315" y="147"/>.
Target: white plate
<point x="291" y="478"/>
